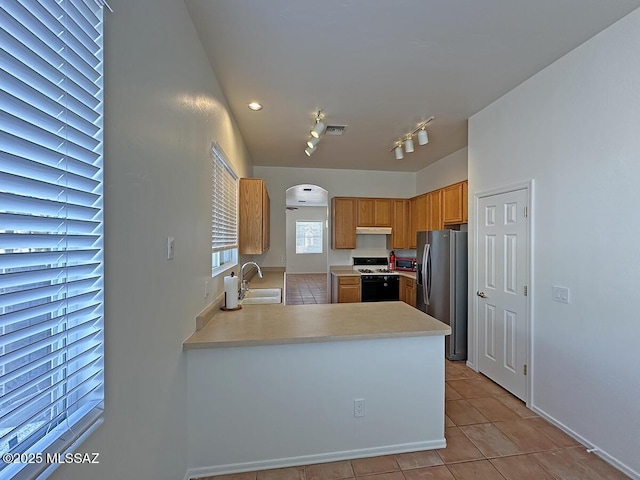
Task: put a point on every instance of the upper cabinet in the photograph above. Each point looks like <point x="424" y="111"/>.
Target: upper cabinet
<point x="343" y="222"/>
<point x="434" y="221"/>
<point x="465" y="201"/>
<point x="254" y="225"/>
<point x="374" y="212"/>
<point x="419" y="210"/>
<point x="400" y="225"/>
<point x="452" y="197"/>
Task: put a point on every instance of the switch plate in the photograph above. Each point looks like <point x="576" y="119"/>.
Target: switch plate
<point x="171" y="245"/>
<point x="358" y="407"/>
<point x="560" y="294"/>
<point x="206" y="288"/>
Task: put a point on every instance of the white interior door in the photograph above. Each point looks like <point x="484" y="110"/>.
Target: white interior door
<point x="502" y="281"/>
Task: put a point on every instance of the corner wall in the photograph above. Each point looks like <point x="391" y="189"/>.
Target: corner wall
<point x="163" y="108"/>
<point x="573" y="128"/>
<point x="446" y="171"/>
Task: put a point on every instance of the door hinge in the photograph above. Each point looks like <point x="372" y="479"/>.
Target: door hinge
<point x="525" y="290"/>
<point x="526" y="212"/>
<point x="525" y="369"/>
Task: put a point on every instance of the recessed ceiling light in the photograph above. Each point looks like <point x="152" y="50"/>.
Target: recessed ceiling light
<point x="255" y="106"/>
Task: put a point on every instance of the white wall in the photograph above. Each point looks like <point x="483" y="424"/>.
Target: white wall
<point x="446" y="171"/>
<point x="293" y="404"/>
<point x="307" y="262"/>
<point x="347" y="183"/>
<point x="163" y="108"/>
<point x="573" y="128"/>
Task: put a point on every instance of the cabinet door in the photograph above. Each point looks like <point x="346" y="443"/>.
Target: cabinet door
<point x="266" y="220"/>
<point x="343" y="222"/>
<point x="348" y="289"/>
<point x="419" y="217"/>
<point x="435" y="211"/>
<point x="399" y="226"/>
<point x="253" y="228"/>
<point x="374" y="212"/>
<point x="465" y="201"/>
<point x="452" y="204"/>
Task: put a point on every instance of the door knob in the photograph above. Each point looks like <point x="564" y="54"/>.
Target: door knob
<point x="481" y="294"/>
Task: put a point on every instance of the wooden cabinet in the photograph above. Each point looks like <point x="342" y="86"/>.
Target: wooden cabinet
<point x="465" y="201"/>
<point x="400" y="225"/>
<point x="374" y="212"/>
<point x="419" y="208"/>
<point x="345" y="288"/>
<point x="434" y="221"/>
<point x="253" y="212"/>
<point x="452" y="211"/>
<point x="408" y="290"/>
<point x="343" y="222"/>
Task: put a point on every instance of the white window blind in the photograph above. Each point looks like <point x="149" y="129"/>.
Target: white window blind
<point x="51" y="226"/>
<point x="224" y="221"/>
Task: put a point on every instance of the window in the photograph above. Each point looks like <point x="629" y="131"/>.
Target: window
<point x="309" y="237"/>
<point x="51" y="226"/>
<point x="224" y="221"/>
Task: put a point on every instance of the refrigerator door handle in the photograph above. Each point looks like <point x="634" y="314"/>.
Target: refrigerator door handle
<point x="426" y="287"/>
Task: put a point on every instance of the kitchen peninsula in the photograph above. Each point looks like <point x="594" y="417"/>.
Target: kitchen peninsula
<point x="273" y="385"/>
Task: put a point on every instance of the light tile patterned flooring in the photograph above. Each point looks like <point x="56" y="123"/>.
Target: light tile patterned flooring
<point x="304" y="288"/>
<point x="491" y="435"/>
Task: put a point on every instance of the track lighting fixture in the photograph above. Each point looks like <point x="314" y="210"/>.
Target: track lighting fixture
<point x="423" y="138"/>
<point x="407" y="139"/>
<point x="316" y="132"/>
<point x="398" y="151"/>
<point x="408" y="144"/>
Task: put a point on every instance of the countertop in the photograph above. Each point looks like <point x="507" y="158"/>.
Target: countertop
<point x="280" y="325"/>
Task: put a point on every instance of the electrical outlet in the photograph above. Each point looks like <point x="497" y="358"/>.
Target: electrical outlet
<point x="358" y="407"/>
<point x="206" y="288"/>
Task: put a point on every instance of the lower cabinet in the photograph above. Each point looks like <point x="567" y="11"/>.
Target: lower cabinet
<point x="345" y="289"/>
<point x="408" y="290"/>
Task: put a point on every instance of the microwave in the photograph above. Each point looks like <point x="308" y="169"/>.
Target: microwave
<point x="406" y="264"/>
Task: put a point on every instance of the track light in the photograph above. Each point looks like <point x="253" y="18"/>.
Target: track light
<point x="398" y="151"/>
<point x="408" y="144"/>
<point x="423" y="138"/>
<point x="407" y="139"/>
<point x="313" y="142"/>
<point x="316" y="131"/>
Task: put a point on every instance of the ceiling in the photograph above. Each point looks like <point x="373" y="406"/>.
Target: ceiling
<point x="380" y="67"/>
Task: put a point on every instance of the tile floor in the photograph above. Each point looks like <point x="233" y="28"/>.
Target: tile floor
<point x="491" y="435"/>
<point x="305" y="288"/>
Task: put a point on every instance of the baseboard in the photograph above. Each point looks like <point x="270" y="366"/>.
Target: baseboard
<point x="311" y="459"/>
<point x="611" y="460"/>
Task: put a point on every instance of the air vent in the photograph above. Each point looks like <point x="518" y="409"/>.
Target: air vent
<point x="336" y="130"/>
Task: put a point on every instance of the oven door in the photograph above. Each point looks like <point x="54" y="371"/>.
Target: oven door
<point x="380" y="288"/>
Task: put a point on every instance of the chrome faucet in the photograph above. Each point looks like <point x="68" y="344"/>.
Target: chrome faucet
<point x="244" y="285"/>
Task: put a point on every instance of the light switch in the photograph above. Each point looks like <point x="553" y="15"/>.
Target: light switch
<point x="561" y="294"/>
<point x="171" y="244"/>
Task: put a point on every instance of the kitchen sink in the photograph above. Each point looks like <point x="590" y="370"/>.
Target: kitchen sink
<point x="262" y="296"/>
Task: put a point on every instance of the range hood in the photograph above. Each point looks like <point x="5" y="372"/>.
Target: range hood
<point x="373" y="230"/>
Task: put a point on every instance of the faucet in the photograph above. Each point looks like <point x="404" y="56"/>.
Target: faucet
<point x="244" y="285"/>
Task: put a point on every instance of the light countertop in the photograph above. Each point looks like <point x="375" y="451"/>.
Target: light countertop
<point x="280" y="324"/>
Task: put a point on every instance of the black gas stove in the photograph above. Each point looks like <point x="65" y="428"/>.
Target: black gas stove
<point x="379" y="284"/>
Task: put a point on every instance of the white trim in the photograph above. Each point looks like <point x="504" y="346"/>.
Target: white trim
<point x="613" y="461"/>
<point x="473" y="362"/>
<point x="312" y="459"/>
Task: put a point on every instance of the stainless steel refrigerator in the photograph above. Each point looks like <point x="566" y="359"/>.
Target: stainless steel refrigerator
<point x="442" y="284"/>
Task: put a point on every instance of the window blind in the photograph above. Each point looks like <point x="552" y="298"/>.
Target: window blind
<point x="224" y="233"/>
<point x="51" y="226"/>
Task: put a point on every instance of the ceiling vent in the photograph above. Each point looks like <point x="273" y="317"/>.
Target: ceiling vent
<point x="335" y="130"/>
